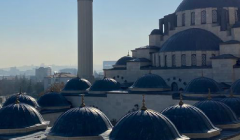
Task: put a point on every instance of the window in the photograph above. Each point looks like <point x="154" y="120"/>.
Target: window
<point x="159" y="61"/>
<point x="194" y="60"/>
<point x="213" y="55"/>
<point x="203" y="17"/>
<point x="183" y="60"/>
<point x="193" y="18"/>
<point x="227" y="16"/>
<point x="165" y="61"/>
<point x="204" y="60"/>
<point x="236" y="15"/>
<point x="174" y="60"/>
<point x="214" y="16"/>
<point x="183" y="19"/>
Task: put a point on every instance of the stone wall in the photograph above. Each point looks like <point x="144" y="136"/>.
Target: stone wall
<point x="117" y="105"/>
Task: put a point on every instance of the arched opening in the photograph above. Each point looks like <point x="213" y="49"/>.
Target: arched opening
<point x="174" y="86"/>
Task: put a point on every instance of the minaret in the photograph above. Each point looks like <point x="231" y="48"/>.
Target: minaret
<point x="85" y="39"/>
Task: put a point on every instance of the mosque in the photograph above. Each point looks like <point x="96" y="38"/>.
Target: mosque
<point x="184" y="86"/>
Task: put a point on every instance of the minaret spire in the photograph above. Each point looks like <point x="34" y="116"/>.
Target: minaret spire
<point x="85" y="39"/>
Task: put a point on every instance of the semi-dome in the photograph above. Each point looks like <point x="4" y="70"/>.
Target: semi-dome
<point x="202" y="85"/>
<point x="191" y="121"/>
<point x="103" y="85"/>
<point x="150" y="82"/>
<point x="156" y="32"/>
<point x="219" y="113"/>
<point x="233" y="103"/>
<point x="124" y="60"/>
<point x="76" y="85"/>
<point x="199" y="4"/>
<point x="236" y="87"/>
<point x="23" y="98"/>
<point x="21" y="118"/>
<point x="53" y="101"/>
<point x="201" y="40"/>
<point x="145" y="125"/>
<point x="80" y="122"/>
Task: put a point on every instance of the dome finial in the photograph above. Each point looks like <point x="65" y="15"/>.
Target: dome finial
<point x="181" y="99"/>
<point x="20" y="91"/>
<point x="128" y="53"/>
<point x="17" y="99"/>
<point x="150" y="70"/>
<point x="143" y="104"/>
<point x="209" y="94"/>
<point x="231" y="93"/>
<point x="83" y="103"/>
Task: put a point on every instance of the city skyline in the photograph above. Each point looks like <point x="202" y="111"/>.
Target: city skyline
<point x="42" y="28"/>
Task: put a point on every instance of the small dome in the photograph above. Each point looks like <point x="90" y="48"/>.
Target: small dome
<point x="150" y="82"/>
<point x="236" y="87"/>
<point x="202" y="85"/>
<point x="76" y="85"/>
<point x="145" y="125"/>
<point x="53" y="100"/>
<point x="233" y="103"/>
<point x="124" y="60"/>
<point x="199" y="4"/>
<point x="219" y="113"/>
<point x="21" y="116"/>
<point x="191" y="121"/>
<point x="23" y="98"/>
<point x="156" y="32"/>
<point x="106" y="84"/>
<point x="81" y="122"/>
<point x="201" y="40"/>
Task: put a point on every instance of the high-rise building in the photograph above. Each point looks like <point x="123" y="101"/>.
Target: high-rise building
<point x="42" y="72"/>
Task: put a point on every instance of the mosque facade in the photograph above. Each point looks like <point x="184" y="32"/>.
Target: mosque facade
<point x="199" y="38"/>
<point x="195" y="50"/>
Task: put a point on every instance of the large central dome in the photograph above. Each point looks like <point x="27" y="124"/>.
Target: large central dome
<point x="197" y="4"/>
<point x="201" y="40"/>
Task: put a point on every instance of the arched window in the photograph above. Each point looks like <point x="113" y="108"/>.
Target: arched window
<point x="204" y="60"/>
<point x="203" y="17"/>
<point x="174" y="60"/>
<point x="174" y="86"/>
<point x="194" y="60"/>
<point x="213" y="55"/>
<point x="193" y="18"/>
<point x="214" y="16"/>
<point x="183" y="19"/>
<point x="165" y="60"/>
<point x="183" y="60"/>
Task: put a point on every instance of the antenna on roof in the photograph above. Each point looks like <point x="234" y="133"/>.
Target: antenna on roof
<point x="209" y="94"/>
<point x="181" y="99"/>
<point x="143" y="104"/>
<point x="83" y="103"/>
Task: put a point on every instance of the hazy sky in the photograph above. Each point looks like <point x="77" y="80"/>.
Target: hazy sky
<point x="45" y="31"/>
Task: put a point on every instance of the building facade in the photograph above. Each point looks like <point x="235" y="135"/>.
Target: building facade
<point x="198" y="39"/>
